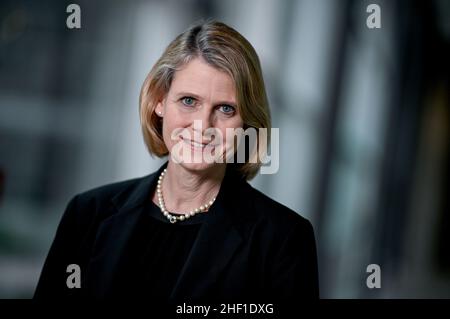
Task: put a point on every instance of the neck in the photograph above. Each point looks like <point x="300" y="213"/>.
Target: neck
<point x="185" y="190"/>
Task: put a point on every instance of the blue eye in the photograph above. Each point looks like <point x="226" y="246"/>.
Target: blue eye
<point x="188" y="101"/>
<point x="227" y="109"/>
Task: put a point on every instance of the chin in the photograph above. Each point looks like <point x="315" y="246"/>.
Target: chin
<point x="199" y="167"/>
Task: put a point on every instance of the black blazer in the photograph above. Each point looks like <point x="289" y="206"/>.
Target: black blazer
<point x="251" y="247"/>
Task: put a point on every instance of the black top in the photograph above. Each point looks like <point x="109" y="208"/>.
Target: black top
<point x="156" y="253"/>
<point x="247" y="248"/>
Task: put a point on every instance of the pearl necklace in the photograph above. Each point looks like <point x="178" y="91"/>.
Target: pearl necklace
<point x="172" y="218"/>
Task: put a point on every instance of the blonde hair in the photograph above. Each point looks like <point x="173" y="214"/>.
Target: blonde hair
<point x="226" y="49"/>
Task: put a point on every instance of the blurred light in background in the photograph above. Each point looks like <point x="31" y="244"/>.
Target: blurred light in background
<point x="363" y="117"/>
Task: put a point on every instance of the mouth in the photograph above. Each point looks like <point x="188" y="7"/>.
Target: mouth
<point x="197" y="145"/>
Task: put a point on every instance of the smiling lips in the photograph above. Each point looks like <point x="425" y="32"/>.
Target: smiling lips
<point x="197" y="145"/>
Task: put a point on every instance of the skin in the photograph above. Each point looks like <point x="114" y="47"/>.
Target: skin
<point x="198" y="92"/>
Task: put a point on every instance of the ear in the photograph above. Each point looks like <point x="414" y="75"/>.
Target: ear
<point x="159" y="110"/>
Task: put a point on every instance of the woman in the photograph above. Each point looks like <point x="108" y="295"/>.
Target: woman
<point x="195" y="229"/>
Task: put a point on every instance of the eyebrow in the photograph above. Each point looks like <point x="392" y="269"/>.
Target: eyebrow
<point x="196" y="96"/>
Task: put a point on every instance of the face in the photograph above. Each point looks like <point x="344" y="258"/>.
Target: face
<point x="197" y="111"/>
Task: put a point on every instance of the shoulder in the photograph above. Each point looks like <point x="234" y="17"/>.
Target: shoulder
<point x="96" y="204"/>
<point x="274" y="214"/>
<point x="280" y="233"/>
<point x="107" y="192"/>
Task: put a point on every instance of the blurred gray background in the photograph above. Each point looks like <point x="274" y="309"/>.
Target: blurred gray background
<point x="363" y="117"/>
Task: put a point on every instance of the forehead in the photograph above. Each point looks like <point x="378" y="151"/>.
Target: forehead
<point x="198" y="77"/>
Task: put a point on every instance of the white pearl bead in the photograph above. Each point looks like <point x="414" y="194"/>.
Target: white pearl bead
<point x="173" y="218"/>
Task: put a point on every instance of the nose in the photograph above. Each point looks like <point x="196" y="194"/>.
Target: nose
<point x="203" y="121"/>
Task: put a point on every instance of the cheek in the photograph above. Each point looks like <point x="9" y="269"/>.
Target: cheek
<point x="175" y="119"/>
<point x="237" y="122"/>
<point x="171" y="121"/>
<point x="231" y="127"/>
<point x="169" y="126"/>
<point x="234" y="124"/>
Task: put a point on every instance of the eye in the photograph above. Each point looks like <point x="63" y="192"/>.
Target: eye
<point x="188" y="101"/>
<point x="227" y="109"/>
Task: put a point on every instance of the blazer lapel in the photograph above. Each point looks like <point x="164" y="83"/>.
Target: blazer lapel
<point x="213" y="248"/>
<point x="114" y="234"/>
<point x="109" y="247"/>
<point x="216" y="243"/>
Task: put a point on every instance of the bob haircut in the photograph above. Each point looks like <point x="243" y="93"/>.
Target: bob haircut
<point x="227" y="50"/>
